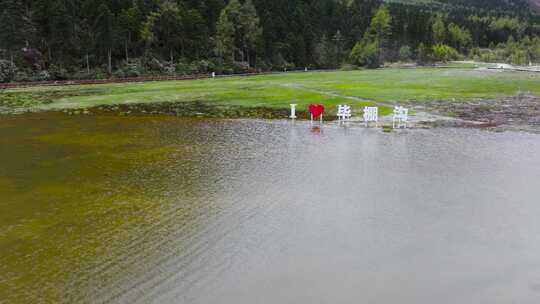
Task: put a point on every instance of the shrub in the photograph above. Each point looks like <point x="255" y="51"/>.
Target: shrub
<point x="423" y="54"/>
<point x="348" y="67"/>
<point x="41" y="76"/>
<point x="488" y="57"/>
<point x="519" y="57"/>
<point x="227" y="69"/>
<point x="99" y="74"/>
<point x="203" y="66"/>
<point x="263" y="65"/>
<point x="82" y="74"/>
<point x="193" y="68"/>
<point x="7" y="71"/>
<point x="221" y="68"/>
<point x="279" y="63"/>
<point x="240" y="67"/>
<point x="133" y="69"/>
<point x="96" y="73"/>
<point x="183" y="68"/>
<point x="168" y="68"/>
<point x="119" y="74"/>
<point x="22" y="76"/>
<point x="443" y="52"/>
<point x="58" y="73"/>
<point x="534" y="49"/>
<point x="289" y="66"/>
<point x="154" y="65"/>
<point x="365" y="53"/>
<point x="405" y="53"/>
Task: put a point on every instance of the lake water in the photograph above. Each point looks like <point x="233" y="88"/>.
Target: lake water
<point x="106" y="209"/>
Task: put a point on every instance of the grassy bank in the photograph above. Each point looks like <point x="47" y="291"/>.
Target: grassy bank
<point x="358" y="88"/>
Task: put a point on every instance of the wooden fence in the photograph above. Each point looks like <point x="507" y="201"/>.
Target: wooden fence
<point x="12" y="85"/>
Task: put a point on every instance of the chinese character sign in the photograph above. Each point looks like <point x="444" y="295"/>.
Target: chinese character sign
<point x="371" y="114"/>
<point x="344" y="112"/>
<point x="401" y="117"/>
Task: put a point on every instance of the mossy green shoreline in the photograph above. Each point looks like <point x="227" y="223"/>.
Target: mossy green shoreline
<point x="188" y="109"/>
<point x="270" y="96"/>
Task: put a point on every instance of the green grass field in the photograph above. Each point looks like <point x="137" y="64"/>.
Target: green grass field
<point x="357" y="88"/>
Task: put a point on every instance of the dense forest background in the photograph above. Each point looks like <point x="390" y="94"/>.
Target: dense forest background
<point x="60" y="39"/>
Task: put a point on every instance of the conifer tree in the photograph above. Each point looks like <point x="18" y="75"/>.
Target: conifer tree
<point x="105" y="30"/>
<point x="225" y="37"/>
<point x="16" y="28"/>
<point x="439" y="30"/>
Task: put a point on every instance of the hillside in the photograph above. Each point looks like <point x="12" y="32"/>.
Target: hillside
<point x="59" y="40"/>
<point x="535" y="4"/>
<point x="519" y="7"/>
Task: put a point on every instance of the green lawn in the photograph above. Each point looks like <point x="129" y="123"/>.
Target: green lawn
<point x="357" y="88"/>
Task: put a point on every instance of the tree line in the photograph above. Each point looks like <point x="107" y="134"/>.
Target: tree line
<point x="59" y="39"/>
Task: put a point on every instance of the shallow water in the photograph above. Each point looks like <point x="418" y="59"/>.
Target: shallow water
<point x="159" y="209"/>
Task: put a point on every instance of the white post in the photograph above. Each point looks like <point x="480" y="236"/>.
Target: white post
<point x="293" y="111"/>
<point x="213" y="74"/>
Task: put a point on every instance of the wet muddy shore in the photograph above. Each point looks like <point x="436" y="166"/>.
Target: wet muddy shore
<point x="519" y="113"/>
<point x="185" y="109"/>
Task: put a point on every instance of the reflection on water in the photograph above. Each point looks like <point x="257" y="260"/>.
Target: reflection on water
<point x="167" y="210"/>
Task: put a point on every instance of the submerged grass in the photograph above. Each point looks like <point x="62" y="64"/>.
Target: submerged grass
<point x="69" y="185"/>
<point x="277" y="91"/>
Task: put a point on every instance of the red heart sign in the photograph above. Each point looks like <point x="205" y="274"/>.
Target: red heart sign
<point x="316" y="110"/>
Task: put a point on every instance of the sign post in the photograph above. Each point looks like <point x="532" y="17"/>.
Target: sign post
<point x="401" y="117"/>
<point x="344" y="113"/>
<point x="371" y="114"/>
